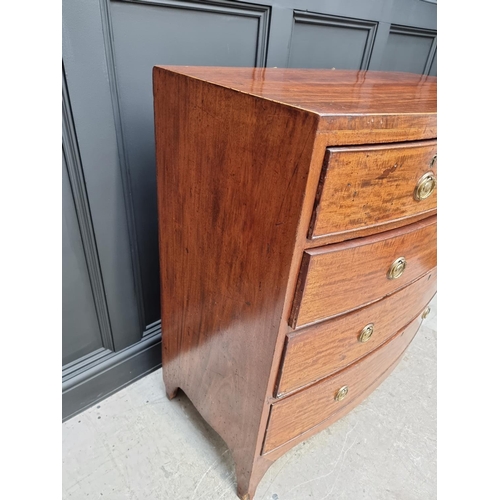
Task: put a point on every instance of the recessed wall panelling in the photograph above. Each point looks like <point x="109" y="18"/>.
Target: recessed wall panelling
<point x="433" y="70"/>
<point x="79" y="319"/>
<point x="408" y="49"/>
<point x="184" y="33"/>
<point x="321" y="41"/>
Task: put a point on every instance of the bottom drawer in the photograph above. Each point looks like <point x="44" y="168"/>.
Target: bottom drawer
<point x="297" y="414"/>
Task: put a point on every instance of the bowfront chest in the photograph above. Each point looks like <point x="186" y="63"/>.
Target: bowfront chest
<point x="297" y="223"/>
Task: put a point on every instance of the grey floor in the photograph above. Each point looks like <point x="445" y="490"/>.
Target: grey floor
<point x="138" y="445"/>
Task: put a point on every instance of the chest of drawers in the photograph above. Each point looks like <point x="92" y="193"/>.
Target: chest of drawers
<point x="297" y="223"/>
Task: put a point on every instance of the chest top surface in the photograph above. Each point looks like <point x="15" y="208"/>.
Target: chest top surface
<point x="327" y="92"/>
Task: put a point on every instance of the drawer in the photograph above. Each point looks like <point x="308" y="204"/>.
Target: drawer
<point x="362" y="187"/>
<point x="313" y="353"/>
<point x="296" y="414"/>
<point x="338" y="278"/>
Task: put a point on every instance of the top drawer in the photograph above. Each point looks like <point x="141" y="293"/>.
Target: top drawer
<point x="369" y="186"/>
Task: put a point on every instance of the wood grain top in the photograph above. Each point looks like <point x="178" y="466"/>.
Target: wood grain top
<point x="327" y="92"/>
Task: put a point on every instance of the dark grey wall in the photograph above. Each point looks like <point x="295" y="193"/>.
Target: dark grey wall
<point x="80" y="325"/>
<point x="325" y="41"/>
<point x="409" y="49"/>
<point x="111" y="309"/>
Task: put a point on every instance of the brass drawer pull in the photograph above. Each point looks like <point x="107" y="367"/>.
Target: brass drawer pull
<point x="366" y="333"/>
<point x="425" y="186"/>
<point x="341" y="393"/>
<point x="426" y="312"/>
<point x="397" y="268"/>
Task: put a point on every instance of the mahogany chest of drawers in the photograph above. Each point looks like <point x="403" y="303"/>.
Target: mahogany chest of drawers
<point x="297" y="221"/>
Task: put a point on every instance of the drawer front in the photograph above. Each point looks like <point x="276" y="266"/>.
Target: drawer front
<point x="363" y="187"/>
<point x="295" y="415"/>
<point x="338" y="278"/>
<point x="320" y="350"/>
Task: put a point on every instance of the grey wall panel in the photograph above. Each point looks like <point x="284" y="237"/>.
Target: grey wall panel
<point x="86" y="69"/>
<point x="433" y="70"/>
<point x="408" y="50"/>
<point x="109" y="373"/>
<point x="376" y="10"/>
<point x="79" y="319"/>
<point x="76" y="179"/>
<point x="280" y="35"/>
<point x="320" y="41"/>
<point x="145" y="34"/>
<point x="416" y="13"/>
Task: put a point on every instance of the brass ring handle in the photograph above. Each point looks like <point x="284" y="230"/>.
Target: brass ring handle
<point x="425" y="186"/>
<point x="341" y="393"/>
<point x="397" y="268"/>
<point x="366" y="333"/>
<point x="426" y="312"/>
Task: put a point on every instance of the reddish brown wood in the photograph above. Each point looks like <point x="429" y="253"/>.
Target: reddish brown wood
<point x="372" y="186"/>
<point x="229" y="204"/>
<point x="239" y="157"/>
<point x="320" y="350"/>
<point x="367" y="231"/>
<point x="345" y="276"/>
<point x="306" y="409"/>
<point x="344" y="410"/>
<point x="356" y="107"/>
<point x="373" y="129"/>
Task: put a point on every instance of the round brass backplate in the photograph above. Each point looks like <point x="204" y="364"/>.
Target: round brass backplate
<point x="366" y="333"/>
<point x="426" y="312"/>
<point x="397" y="268"/>
<point x="425" y="186"/>
<point x="341" y="393"/>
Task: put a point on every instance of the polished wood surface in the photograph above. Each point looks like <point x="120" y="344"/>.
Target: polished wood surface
<point x="298" y="413"/>
<point x="240" y="155"/>
<point x="325" y="91"/>
<point x="341" y="412"/>
<point x="345" y="276"/>
<point x="320" y="350"/>
<point x="372" y="186"/>
<point x="227" y="225"/>
<point x="366" y="231"/>
<point x="355" y="107"/>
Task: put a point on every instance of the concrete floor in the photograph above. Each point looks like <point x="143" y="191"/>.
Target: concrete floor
<point x="138" y="445"/>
